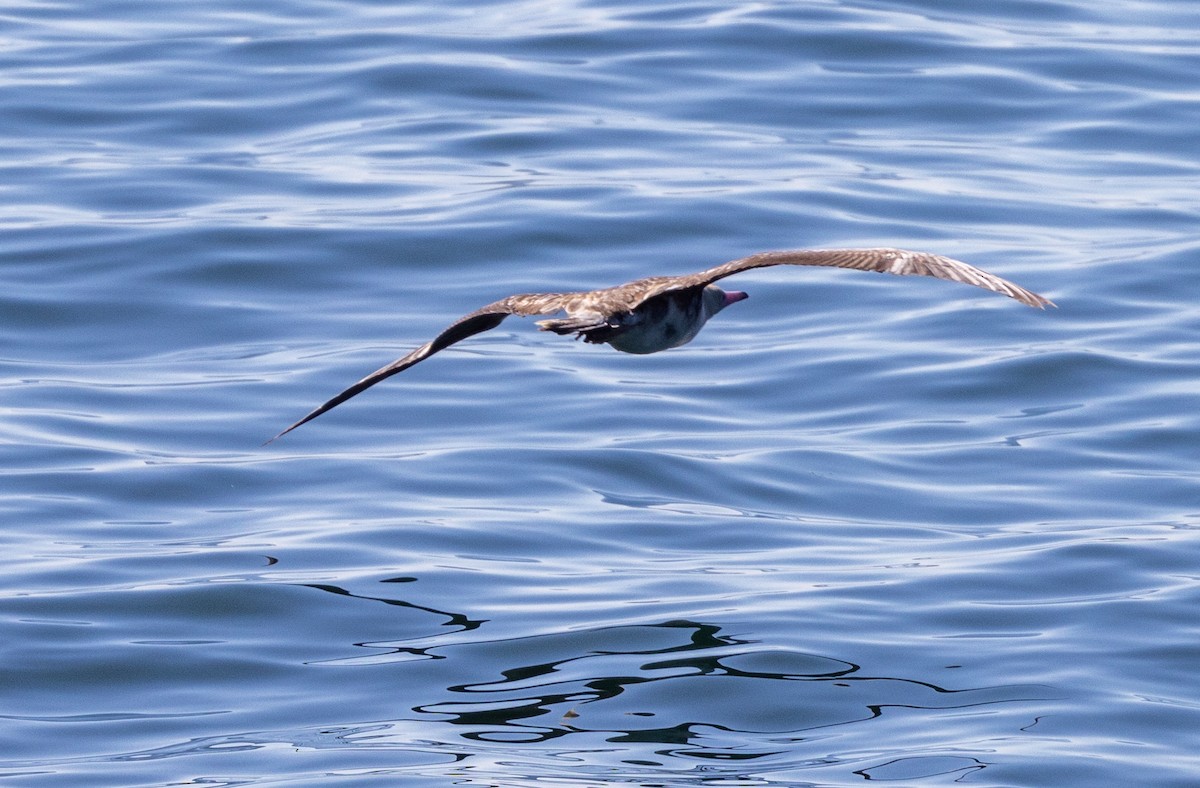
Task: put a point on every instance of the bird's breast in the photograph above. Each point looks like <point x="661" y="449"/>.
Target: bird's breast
<point x="659" y="324"/>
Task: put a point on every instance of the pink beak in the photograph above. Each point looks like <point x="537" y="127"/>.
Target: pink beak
<point x="733" y="296"/>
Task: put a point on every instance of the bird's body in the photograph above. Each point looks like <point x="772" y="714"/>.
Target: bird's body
<point x="663" y="312"/>
<point x="671" y="320"/>
<point x="628" y="320"/>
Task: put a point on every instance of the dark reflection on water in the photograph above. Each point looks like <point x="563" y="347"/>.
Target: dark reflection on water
<point x="740" y="693"/>
<point x="622" y="701"/>
<point x="452" y="619"/>
<point x="915" y="768"/>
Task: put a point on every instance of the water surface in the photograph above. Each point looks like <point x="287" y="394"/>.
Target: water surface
<point x="862" y="528"/>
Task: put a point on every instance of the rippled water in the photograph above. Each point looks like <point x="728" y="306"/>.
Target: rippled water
<point x="863" y="528"/>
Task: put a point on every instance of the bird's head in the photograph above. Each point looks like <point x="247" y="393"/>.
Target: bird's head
<point x="716" y="299"/>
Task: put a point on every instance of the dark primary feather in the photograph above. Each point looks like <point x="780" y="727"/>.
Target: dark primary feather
<point x="591" y="310"/>
<point x="483" y="319"/>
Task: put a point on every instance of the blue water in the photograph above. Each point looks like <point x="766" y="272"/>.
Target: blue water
<point x="862" y="529"/>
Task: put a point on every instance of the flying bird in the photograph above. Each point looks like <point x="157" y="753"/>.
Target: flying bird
<point x="662" y="312"/>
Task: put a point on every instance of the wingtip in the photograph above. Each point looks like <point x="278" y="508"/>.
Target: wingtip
<point x="271" y="440"/>
<point x="1029" y="298"/>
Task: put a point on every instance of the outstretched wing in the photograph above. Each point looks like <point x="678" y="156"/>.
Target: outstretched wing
<point x="477" y="322"/>
<point x="888" y="261"/>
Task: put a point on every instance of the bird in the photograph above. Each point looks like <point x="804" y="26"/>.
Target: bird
<point x="663" y="312"/>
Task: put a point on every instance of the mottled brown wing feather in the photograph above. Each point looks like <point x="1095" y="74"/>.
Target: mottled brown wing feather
<point x="890" y="261"/>
<point x="480" y="320"/>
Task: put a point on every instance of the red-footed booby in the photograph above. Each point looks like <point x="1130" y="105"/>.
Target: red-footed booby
<point x="662" y="312"/>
